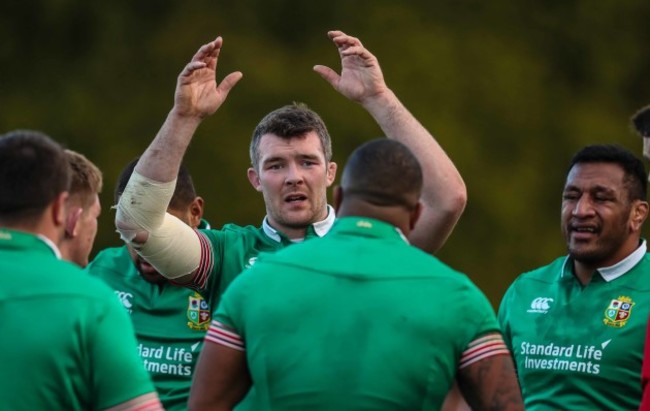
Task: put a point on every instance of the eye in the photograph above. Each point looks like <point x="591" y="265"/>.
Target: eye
<point x="570" y="196"/>
<point x="602" y="198"/>
<point x="274" y="166"/>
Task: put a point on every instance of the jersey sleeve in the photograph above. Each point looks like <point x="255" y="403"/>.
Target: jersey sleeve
<point x="116" y="369"/>
<point x="209" y="270"/>
<point x="483" y="338"/>
<point x="227" y="326"/>
<point x="480" y="313"/>
<point x="205" y="271"/>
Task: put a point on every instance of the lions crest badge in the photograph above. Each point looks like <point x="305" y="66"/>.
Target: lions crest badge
<point x="618" y="312"/>
<point x="198" y="312"/>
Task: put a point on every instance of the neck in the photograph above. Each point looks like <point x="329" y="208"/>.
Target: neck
<point x="395" y="215"/>
<point x="584" y="272"/>
<point x="37" y="226"/>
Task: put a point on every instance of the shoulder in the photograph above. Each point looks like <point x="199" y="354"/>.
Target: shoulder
<point x="546" y="274"/>
<point x="75" y="282"/>
<point x="111" y="261"/>
<point x="533" y="284"/>
<point x="235" y="233"/>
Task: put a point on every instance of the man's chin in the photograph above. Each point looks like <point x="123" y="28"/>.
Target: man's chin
<point x="150" y="274"/>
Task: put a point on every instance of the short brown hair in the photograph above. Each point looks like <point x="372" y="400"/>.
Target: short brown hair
<point x="86" y="177"/>
<point x="290" y="121"/>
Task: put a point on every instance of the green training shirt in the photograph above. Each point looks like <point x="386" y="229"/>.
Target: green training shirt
<point x="66" y="342"/>
<point x="170" y="323"/>
<point x="579" y="347"/>
<point x="229" y="251"/>
<point x="358" y="320"/>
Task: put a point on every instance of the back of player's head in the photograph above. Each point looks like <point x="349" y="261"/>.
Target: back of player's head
<point x="33" y="172"/>
<point x="86" y="178"/>
<point x="635" y="175"/>
<point x="184" y="193"/>
<point x="383" y="172"/>
<point x="293" y="120"/>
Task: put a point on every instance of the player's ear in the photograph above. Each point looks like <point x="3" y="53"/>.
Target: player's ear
<point x="59" y="208"/>
<point x="331" y="172"/>
<point x="254" y="179"/>
<point x="415" y="215"/>
<point x="196" y="211"/>
<point x="638" y="215"/>
<point x="71" y="220"/>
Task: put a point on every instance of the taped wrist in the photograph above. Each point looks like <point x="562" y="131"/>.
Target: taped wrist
<point x="174" y="248"/>
<point x="171" y="246"/>
<point x="142" y="206"/>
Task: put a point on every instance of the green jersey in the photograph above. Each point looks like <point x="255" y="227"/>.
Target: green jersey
<point x="66" y="343"/>
<point x="358" y="319"/>
<point x="227" y="252"/>
<point x="579" y="347"/>
<point x="169" y="321"/>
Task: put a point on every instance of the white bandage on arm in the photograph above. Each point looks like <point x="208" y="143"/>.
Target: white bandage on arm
<point x="171" y="246"/>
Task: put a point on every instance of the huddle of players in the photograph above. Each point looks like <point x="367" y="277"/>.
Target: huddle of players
<point x="363" y="318"/>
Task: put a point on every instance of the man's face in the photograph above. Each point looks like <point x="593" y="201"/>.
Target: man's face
<point x="596" y="214"/>
<point x="293" y="177"/>
<point x="146" y="270"/>
<point x="86" y="230"/>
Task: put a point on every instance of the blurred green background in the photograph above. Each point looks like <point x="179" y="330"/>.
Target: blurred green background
<point x="510" y="89"/>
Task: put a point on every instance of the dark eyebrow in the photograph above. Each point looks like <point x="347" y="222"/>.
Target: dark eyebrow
<point x="309" y="157"/>
<point x="272" y="159"/>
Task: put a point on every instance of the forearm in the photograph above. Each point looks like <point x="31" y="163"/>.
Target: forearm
<point x="444" y="194"/>
<point x="162" y="239"/>
<point x="162" y="159"/>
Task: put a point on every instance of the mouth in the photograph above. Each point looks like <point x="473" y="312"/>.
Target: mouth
<point x="146" y="268"/>
<point x="583" y="231"/>
<point x="295" y="198"/>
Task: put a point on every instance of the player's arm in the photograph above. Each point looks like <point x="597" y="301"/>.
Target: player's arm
<point x="168" y="244"/>
<point x="119" y="380"/>
<point x="487" y="377"/>
<point x="444" y="194"/>
<point x="224" y="351"/>
<point x="454" y="400"/>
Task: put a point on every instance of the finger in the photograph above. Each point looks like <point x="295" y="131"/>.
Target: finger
<point x="343" y="40"/>
<point x="357" y="51"/>
<point x="335" y="33"/>
<point x="229" y="82"/>
<point x="191" y="67"/>
<point x="328" y="74"/>
<point x="210" y="49"/>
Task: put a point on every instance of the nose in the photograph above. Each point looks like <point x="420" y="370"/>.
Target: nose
<point x="582" y="207"/>
<point x="294" y="175"/>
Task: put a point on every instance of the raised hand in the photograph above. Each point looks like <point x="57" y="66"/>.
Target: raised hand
<point x="197" y="92"/>
<point x="361" y="78"/>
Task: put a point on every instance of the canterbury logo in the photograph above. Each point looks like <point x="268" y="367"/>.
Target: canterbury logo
<point x="540" y="305"/>
<point x="125" y="298"/>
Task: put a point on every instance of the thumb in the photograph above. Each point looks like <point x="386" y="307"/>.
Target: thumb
<point x="328" y="74"/>
<point x="229" y="81"/>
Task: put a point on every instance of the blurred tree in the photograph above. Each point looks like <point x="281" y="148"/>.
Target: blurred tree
<point x="510" y="89"/>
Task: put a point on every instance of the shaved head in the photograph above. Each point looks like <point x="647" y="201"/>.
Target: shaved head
<point x="383" y="172"/>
